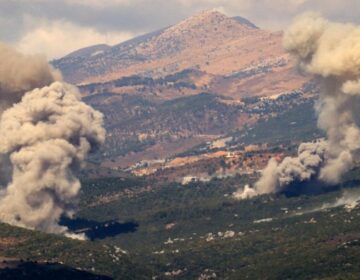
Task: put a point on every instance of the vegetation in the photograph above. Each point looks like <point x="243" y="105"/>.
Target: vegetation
<point x="83" y="255"/>
<point x="129" y="116"/>
<point x="287" y="247"/>
<point x="178" y="80"/>
<point x="198" y="229"/>
<point x="299" y="123"/>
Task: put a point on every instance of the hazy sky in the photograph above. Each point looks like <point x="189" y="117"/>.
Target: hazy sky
<point x="57" y="27"/>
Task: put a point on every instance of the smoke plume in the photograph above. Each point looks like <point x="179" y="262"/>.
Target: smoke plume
<point x="45" y="137"/>
<point x="331" y="53"/>
<point x="21" y="73"/>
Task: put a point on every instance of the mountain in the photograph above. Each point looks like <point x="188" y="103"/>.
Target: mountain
<point x="193" y="113"/>
<point x="233" y="56"/>
<point x="245" y="21"/>
<point x="168" y="91"/>
<point x="88" y="51"/>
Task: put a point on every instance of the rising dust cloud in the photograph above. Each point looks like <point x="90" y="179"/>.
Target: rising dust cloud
<point x="46" y="134"/>
<point x="330" y="52"/>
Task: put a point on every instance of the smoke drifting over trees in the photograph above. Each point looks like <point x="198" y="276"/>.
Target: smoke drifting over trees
<point x="331" y="53"/>
<point x="46" y="135"/>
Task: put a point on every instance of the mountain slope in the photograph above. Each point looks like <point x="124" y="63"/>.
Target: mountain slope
<point x="200" y="230"/>
<point x="150" y="88"/>
<point x="245" y="21"/>
<point x="219" y="46"/>
<point x="18" y="245"/>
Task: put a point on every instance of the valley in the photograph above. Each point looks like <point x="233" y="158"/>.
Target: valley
<point x="180" y="225"/>
<point x="193" y="113"/>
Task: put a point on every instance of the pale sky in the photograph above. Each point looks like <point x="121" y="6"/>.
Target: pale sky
<point x="57" y="27"/>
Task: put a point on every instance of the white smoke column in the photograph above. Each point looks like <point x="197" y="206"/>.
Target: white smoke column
<point x="47" y="136"/>
<point x="330" y="52"/>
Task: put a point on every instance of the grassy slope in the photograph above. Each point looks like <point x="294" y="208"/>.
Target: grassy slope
<point x="286" y="248"/>
<point x="91" y="256"/>
<point x="297" y="124"/>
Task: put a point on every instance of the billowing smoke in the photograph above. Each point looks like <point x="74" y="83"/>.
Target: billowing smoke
<point x="331" y="53"/>
<point x="21" y="73"/>
<point x="45" y="136"/>
<point x="18" y="74"/>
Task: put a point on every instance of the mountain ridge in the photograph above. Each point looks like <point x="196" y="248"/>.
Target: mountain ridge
<point x="148" y="35"/>
<point x="209" y="41"/>
<point x="178" y="87"/>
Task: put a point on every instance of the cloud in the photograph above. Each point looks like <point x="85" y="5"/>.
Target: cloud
<point x="94" y="18"/>
<point x="45" y="38"/>
<point x="99" y="3"/>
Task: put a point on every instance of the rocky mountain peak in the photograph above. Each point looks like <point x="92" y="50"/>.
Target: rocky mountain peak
<point x="210" y="42"/>
<point x="207" y="19"/>
<point x="204" y="17"/>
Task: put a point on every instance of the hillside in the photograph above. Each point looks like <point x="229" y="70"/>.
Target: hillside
<point x="168" y="91"/>
<point x="186" y="232"/>
<point x="196" y="232"/>
<point x="25" y="253"/>
<point x="233" y="56"/>
<point x="140" y="128"/>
